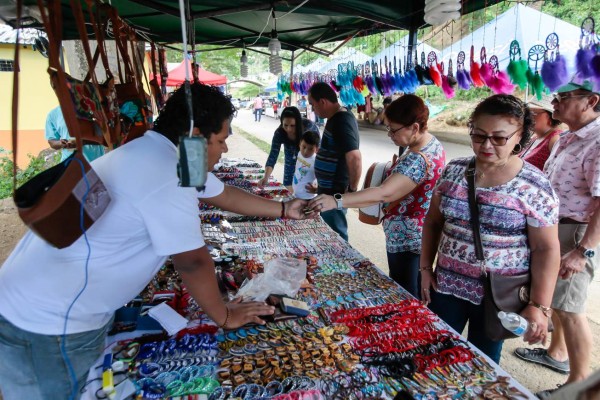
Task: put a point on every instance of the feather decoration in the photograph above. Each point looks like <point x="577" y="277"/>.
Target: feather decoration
<point x="517" y="71"/>
<point x="554" y="73"/>
<point x="583" y="60"/>
<point x="371" y="84"/>
<point x="486" y="72"/>
<point x="379" y="85"/>
<point x="436" y="75"/>
<point x="501" y="83"/>
<point x="595" y="67"/>
<point x="446" y="88"/>
<point x="536" y="83"/>
<point x="474" y="74"/>
<point x="462" y="79"/>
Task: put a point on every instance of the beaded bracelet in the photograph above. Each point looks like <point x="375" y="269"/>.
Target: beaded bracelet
<point x="224" y="325"/>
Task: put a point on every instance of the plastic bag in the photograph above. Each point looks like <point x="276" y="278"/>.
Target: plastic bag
<point x="281" y="276"/>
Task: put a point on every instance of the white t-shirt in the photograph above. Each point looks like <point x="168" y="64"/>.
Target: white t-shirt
<point x="304" y="174"/>
<point x="149" y="218"/>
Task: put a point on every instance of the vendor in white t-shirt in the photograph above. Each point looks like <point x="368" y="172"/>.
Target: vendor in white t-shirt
<point x="150" y="217"/>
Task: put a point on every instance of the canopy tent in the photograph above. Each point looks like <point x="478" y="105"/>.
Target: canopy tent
<point x="300" y="25"/>
<point x="528" y="26"/>
<point x="323" y="66"/>
<point x="177" y="76"/>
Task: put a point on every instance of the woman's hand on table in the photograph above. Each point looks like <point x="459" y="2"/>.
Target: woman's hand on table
<point x="427" y="285"/>
<point x="245" y="313"/>
<point x="538" y="325"/>
<point x="263" y="181"/>
<point x="322" y="202"/>
<point x="298" y="209"/>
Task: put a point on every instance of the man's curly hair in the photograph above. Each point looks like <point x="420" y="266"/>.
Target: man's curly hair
<point x="211" y="109"/>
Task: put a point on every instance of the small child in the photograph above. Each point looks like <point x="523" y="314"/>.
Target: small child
<point x="304" y="182"/>
<point x="275" y="108"/>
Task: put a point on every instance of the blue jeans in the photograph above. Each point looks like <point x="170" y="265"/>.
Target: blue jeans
<point x="456" y="312"/>
<point x="257" y="114"/>
<point x="32" y="366"/>
<point x="404" y="269"/>
<point x="336" y="219"/>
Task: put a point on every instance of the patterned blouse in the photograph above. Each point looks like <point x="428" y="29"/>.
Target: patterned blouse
<point x="505" y="212"/>
<point x="403" y="227"/>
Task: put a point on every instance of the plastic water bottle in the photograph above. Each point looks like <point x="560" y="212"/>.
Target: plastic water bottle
<point x="513" y="322"/>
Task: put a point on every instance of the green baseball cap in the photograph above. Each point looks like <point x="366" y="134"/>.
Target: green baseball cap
<point x="585" y="85"/>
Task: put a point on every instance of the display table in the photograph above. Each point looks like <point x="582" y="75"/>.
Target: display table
<point x="365" y="336"/>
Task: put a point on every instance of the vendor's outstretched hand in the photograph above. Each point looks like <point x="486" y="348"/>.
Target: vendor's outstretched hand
<point x="245" y="313"/>
<point x="264" y="180"/>
<point x="297" y="209"/>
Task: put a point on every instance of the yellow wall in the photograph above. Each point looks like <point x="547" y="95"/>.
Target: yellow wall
<point x="36" y="99"/>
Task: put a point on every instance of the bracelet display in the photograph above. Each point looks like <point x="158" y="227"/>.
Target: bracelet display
<point x="547" y="311"/>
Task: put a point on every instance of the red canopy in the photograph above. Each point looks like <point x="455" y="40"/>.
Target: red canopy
<point x="177" y="76"/>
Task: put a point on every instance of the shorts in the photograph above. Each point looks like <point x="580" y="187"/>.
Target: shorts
<point x="570" y="294"/>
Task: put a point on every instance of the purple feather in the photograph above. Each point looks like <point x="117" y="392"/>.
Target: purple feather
<point x="595" y="67"/>
<point x="554" y="73"/>
<point x="583" y="64"/>
<point x="463" y="81"/>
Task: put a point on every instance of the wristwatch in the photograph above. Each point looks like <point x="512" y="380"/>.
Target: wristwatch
<point x="587" y="253"/>
<point x="338" y="200"/>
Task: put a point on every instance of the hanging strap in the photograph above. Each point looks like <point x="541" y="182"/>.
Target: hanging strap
<point x="474" y="208"/>
<point x="15" y="98"/>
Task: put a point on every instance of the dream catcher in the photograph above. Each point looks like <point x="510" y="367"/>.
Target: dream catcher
<point x="448" y="81"/>
<point x="587" y="59"/>
<point x="332" y="80"/>
<point x="517" y="67"/>
<point x="411" y="80"/>
<point x="388" y="79"/>
<point x="359" y="83"/>
<point x="434" y="69"/>
<point x="369" y="78"/>
<point x="554" y="70"/>
<point x="475" y="68"/>
<point x="422" y="71"/>
<point x="399" y="81"/>
<point x="495" y="79"/>
<point x="377" y="78"/>
<point x="535" y="55"/>
<point x="462" y="76"/>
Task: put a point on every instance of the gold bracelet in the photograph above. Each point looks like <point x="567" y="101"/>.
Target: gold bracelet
<point x="547" y="311"/>
<point x="224" y="325"/>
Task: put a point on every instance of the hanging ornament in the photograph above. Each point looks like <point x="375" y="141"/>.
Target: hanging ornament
<point x="422" y="71"/>
<point x="517" y="67"/>
<point x="462" y="76"/>
<point x="554" y="70"/>
<point x="475" y="67"/>
<point x="587" y="51"/>
<point x="535" y="55"/>
<point x="434" y="71"/>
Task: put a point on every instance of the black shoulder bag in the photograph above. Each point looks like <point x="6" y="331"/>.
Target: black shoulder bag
<point x="502" y="293"/>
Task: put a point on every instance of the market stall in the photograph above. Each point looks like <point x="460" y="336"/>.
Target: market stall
<point x="363" y="337"/>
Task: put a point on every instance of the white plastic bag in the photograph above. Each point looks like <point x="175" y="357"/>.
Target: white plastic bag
<point x="281" y="276"/>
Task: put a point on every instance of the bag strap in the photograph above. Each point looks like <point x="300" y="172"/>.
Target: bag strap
<point x="396" y="203"/>
<point x="474" y="208"/>
<point x="53" y="28"/>
<point x="15" y="97"/>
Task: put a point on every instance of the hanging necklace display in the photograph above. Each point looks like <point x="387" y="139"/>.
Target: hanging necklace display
<point x="535" y="55"/>
<point x="587" y="51"/>
<point x="554" y="70"/>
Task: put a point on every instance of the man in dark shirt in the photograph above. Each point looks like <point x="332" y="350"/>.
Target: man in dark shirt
<point x="338" y="164"/>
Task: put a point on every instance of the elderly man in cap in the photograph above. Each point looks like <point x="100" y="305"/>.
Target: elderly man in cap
<point x="574" y="171"/>
<point x="546" y="133"/>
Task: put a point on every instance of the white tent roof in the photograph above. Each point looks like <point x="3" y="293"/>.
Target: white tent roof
<point x="322" y="66"/>
<point x="524" y="24"/>
<point x="26" y="36"/>
<point x="399" y="50"/>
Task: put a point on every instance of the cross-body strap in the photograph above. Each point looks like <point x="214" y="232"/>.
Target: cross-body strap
<point x="474" y="208"/>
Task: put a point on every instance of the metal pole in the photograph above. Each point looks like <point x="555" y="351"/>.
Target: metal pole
<point x="291" y="75"/>
<point x="412" y="44"/>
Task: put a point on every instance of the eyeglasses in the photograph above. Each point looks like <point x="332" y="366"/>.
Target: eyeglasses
<point x="563" y="96"/>
<point x="393" y="131"/>
<point x="494" y="140"/>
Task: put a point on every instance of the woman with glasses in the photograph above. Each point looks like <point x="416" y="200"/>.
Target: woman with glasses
<point x="518" y="224"/>
<point x="546" y="133"/>
<point x="406" y="191"/>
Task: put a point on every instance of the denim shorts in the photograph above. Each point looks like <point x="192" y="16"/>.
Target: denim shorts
<point x="32" y="366"/>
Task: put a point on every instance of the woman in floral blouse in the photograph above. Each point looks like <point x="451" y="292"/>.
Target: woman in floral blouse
<point x="518" y="219"/>
<point x="410" y="180"/>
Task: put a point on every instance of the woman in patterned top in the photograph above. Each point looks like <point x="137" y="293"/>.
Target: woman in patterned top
<point x="518" y="218"/>
<point x="410" y="180"/>
<point x="287" y="134"/>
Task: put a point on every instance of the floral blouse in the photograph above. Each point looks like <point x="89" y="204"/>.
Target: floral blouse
<point x="403" y="227"/>
<point x="505" y="212"/>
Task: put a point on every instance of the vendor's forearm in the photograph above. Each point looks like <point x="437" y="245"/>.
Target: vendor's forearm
<point x="241" y="202"/>
<point x="198" y="275"/>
